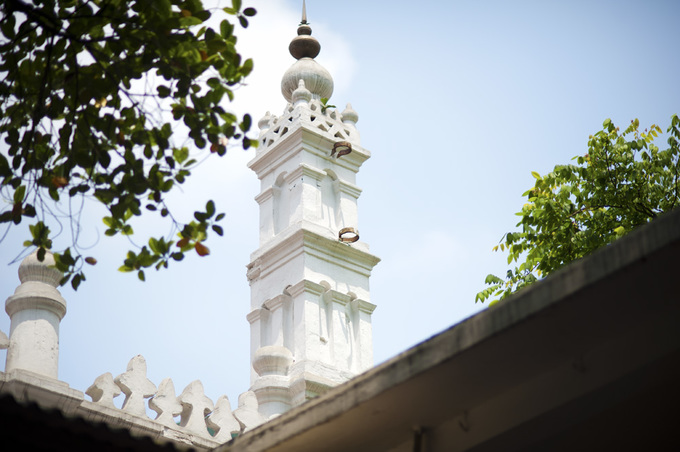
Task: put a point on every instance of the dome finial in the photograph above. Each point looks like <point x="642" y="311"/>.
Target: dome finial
<point x="304" y="48"/>
<point x="304" y="45"/>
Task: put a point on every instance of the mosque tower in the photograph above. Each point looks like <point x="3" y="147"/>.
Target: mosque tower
<point x="310" y="312"/>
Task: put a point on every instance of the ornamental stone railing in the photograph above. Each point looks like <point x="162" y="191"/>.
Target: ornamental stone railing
<point x="304" y="109"/>
<point x="190" y="412"/>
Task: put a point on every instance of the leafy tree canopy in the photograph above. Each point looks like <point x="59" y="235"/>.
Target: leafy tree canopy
<point x="91" y="92"/>
<point x="623" y="181"/>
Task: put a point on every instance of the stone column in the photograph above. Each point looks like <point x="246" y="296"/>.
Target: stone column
<point x="35" y="310"/>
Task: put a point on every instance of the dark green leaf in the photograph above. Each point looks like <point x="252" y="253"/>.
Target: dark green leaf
<point x="19" y="194"/>
<point x="218" y="229"/>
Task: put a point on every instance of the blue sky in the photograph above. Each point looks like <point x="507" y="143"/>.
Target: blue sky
<point x="457" y="101"/>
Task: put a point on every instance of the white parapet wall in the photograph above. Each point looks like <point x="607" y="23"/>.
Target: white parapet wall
<point x="189" y="419"/>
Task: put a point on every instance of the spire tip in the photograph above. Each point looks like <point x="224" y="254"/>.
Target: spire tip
<point x="304" y="13"/>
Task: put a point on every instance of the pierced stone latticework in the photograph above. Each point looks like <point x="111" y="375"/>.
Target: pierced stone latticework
<point x="313" y="115"/>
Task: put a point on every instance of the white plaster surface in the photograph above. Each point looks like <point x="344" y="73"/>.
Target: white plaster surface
<point x="247" y="412"/>
<point x="223" y="421"/>
<point x="309" y="292"/>
<point x="103" y="390"/>
<point x="35" y="309"/>
<point x="136" y="386"/>
<point x="165" y="403"/>
<point x="195" y="406"/>
<point x="4" y="340"/>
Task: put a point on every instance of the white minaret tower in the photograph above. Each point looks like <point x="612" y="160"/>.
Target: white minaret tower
<point x="310" y="307"/>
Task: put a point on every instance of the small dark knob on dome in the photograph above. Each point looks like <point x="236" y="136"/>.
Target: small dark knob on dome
<point x="304" y="29"/>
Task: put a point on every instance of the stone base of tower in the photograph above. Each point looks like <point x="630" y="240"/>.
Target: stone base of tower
<point x="322" y="338"/>
<point x="281" y="385"/>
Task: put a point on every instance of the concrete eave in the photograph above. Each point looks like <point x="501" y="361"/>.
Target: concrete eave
<point x="578" y="351"/>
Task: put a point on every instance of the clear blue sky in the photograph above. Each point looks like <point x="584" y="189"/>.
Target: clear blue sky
<point x="458" y="102"/>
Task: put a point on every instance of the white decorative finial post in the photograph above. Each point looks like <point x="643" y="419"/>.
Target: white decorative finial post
<point x="35" y="310"/>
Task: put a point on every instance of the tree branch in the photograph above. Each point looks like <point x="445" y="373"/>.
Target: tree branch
<point x="52" y="23"/>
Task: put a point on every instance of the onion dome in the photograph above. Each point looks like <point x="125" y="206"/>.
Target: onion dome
<point x="304" y="48"/>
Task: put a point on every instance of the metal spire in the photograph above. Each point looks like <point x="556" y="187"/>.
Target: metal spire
<point x="304" y="13"/>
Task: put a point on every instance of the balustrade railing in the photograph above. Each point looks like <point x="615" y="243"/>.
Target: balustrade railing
<point x="191" y="411"/>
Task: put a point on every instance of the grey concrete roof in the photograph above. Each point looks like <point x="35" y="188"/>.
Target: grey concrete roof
<point x="589" y="354"/>
<point x="31" y="427"/>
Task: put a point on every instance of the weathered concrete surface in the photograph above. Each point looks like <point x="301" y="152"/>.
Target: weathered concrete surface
<point x="35" y="310"/>
<point x="587" y="359"/>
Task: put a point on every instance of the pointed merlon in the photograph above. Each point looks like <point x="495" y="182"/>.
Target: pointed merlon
<point x="223" y="421"/>
<point x="165" y="403"/>
<point x="195" y="406"/>
<point x="103" y="390"/>
<point x="136" y="386"/>
<point x="304" y="13"/>
<point x="4" y="341"/>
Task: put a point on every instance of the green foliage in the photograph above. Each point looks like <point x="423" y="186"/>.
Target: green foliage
<point x="90" y="94"/>
<point x="325" y="105"/>
<point x="623" y="181"/>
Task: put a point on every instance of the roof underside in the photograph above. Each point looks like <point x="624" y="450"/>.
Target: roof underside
<point x="588" y="358"/>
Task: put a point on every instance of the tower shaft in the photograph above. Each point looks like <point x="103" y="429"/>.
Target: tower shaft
<point x="310" y="306"/>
